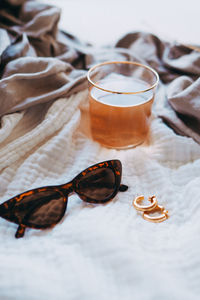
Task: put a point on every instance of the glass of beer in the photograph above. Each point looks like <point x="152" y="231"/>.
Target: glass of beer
<point x="121" y="95"/>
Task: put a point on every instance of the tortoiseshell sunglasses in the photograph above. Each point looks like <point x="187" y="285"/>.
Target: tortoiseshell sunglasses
<point x="44" y="207"/>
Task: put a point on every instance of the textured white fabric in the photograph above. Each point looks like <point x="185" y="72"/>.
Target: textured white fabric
<point x="103" y="251"/>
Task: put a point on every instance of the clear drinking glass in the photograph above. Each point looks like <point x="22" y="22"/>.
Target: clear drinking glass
<point x="121" y="94"/>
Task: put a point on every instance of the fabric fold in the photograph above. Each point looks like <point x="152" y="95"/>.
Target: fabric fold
<point x="21" y="87"/>
<point x="179" y="70"/>
<point x="37" y="65"/>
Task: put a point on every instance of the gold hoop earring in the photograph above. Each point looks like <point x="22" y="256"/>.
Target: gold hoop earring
<point x="158" y="219"/>
<point x="145" y="208"/>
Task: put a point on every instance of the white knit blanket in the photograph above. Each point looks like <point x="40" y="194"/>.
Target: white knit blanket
<point x="103" y="251"/>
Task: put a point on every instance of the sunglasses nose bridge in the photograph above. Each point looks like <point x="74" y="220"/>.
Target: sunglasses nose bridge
<point x="67" y="188"/>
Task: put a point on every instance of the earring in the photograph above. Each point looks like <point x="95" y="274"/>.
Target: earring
<point x="138" y="199"/>
<point x="149" y="209"/>
<point x="158" y="219"/>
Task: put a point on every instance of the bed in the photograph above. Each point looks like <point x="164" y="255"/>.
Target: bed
<point x="99" y="251"/>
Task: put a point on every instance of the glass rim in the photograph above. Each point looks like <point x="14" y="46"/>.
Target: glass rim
<point x="122" y="62"/>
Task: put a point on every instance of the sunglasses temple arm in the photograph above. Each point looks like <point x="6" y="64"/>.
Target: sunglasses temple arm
<point x="20" y="231"/>
<point x="123" y="188"/>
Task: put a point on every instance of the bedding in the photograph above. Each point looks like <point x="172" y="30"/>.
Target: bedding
<point x="98" y="251"/>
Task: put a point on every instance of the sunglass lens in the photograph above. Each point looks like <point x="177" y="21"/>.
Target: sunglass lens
<point x="49" y="211"/>
<point x="40" y="208"/>
<point x="97" y="185"/>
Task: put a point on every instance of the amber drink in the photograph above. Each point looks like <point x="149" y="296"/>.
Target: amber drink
<point x="121" y="95"/>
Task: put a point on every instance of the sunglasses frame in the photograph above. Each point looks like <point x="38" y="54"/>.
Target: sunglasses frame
<point x="64" y="190"/>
